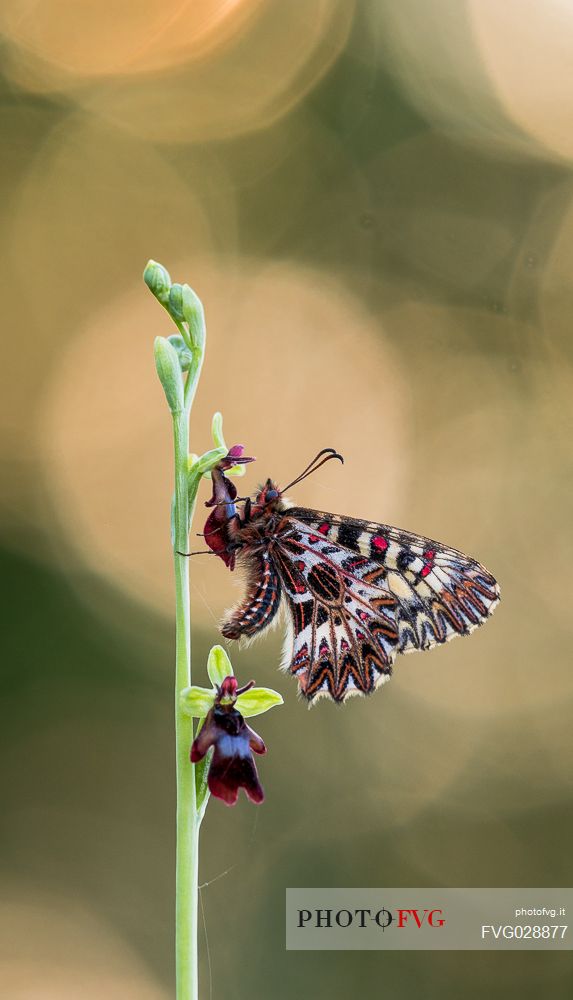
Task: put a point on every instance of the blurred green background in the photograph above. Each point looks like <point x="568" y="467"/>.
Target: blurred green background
<point x="375" y="203"/>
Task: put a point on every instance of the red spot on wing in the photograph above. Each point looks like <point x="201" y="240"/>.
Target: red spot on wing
<point x="324" y="528"/>
<point x="379" y="543"/>
<point x="429" y="562"/>
<point x="313" y="539"/>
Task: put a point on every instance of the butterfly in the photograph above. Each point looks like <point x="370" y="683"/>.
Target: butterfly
<point x="356" y="593"/>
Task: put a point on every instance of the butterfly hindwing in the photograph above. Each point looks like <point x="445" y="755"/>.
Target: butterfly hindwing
<point x="356" y="594"/>
<point x="341" y="643"/>
<point x="361" y="592"/>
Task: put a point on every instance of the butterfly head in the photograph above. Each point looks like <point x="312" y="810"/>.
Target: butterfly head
<point x="269" y="497"/>
<point x="230" y="528"/>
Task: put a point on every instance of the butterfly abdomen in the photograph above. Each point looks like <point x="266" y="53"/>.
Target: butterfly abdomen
<point x="263" y="595"/>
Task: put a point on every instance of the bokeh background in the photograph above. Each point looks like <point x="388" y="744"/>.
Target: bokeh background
<point x="375" y="202"/>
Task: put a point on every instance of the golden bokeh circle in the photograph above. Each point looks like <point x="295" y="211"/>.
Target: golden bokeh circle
<point x="87" y="202"/>
<point x="193" y="72"/>
<point x="484" y="72"/>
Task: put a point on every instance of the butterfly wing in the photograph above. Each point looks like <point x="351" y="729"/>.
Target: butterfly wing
<point x="361" y="592"/>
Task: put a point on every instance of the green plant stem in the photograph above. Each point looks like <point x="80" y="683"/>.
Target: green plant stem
<point x="188" y="821"/>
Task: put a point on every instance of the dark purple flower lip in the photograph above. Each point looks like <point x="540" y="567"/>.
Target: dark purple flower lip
<point x="217" y="532"/>
<point x="232" y="765"/>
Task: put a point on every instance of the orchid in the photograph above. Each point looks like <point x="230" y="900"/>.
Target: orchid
<point x="223" y="709"/>
<point x="215" y="755"/>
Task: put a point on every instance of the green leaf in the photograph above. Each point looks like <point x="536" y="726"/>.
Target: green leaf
<point x="201" y="769"/>
<point x="219" y="665"/>
<point x="201" y="786"/>
<point x="256" y="701"/>
<point x="157" y="279"/>
<point x="169" y="371"/>
<point x="197" y="701"/>
<point x="202" y="792"/>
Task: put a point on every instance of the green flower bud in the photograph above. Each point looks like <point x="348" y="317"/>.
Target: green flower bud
<point x="219" y="666"/>
<point x="194" y="316"/>
<point x="169" y="371"/>
<point x="157" y="279"/>
<point x="185" y="356"/>
<point x="175" y="304"/>
<point x="256" y="701"/>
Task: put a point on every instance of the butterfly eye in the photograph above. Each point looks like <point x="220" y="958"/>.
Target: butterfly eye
<point x="272" y="494"/>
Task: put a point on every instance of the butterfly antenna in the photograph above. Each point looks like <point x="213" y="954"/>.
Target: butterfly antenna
<point x="325" y="456"/>
<point x="325" y="451"/>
